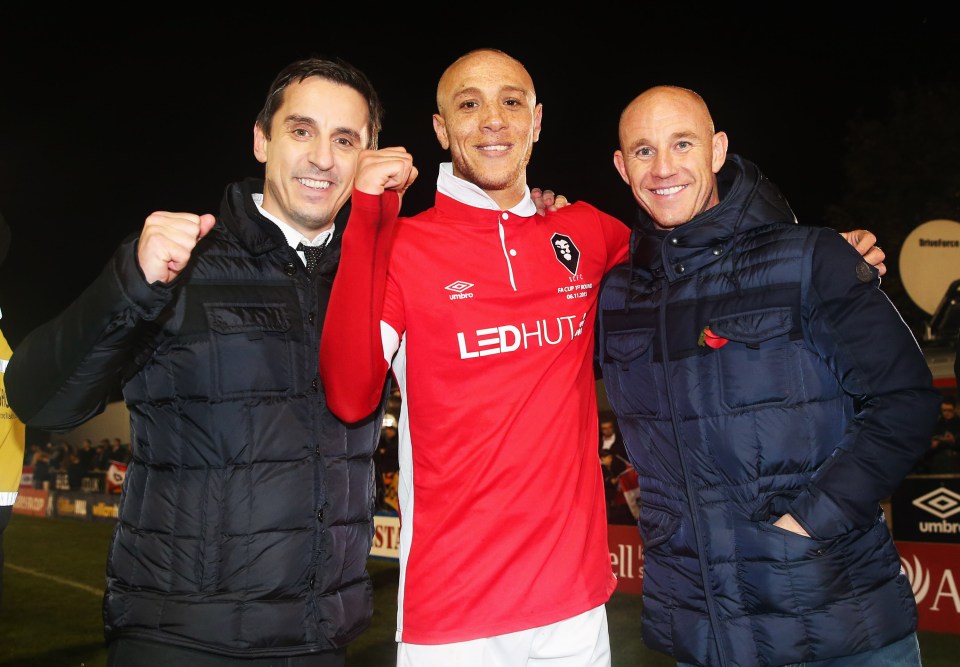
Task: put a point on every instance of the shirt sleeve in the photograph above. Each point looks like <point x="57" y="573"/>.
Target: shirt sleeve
<point x="617" y="236"/>
<point x="857" y="331"/>
<point x="352" y="363"/>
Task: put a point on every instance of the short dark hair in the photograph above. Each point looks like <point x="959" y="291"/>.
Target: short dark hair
<point x="332" y="69"/>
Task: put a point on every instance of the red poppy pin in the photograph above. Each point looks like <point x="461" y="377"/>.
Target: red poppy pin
<point x="711" y="339"/>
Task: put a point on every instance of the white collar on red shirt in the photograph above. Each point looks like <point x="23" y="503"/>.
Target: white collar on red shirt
<point x="467" y="193"/>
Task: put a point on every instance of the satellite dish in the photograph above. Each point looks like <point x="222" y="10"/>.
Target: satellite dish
<point x="930" y="262"/>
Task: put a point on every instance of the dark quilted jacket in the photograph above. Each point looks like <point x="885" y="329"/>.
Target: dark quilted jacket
<point x="818" y="404"/>
<point x="246" y="516"/>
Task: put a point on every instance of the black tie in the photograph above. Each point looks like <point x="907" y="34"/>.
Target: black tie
<point x="312" y="253"/>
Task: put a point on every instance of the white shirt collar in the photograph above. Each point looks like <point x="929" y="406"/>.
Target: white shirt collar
<point x="293" y="237"/>
<point x="471" y="195"/>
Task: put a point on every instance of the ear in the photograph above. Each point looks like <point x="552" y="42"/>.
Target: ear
<point x="621" y="166"/>
<point x="719" y="151"/>
<point x="440" y="129"/>
<point x="537" y="119"/>
<point x="259" y="144"/>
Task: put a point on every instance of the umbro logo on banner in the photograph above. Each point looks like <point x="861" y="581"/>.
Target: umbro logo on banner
<point x="941" y="503"/>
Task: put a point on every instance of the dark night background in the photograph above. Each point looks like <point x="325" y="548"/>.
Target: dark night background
<point x="106" y="118"/>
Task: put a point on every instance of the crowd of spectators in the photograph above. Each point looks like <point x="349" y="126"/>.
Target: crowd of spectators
<point x="620" y="481"/>
<point x="50" y="461"/>
<point x="387" y="462"/>
<point x="943" y="457"/>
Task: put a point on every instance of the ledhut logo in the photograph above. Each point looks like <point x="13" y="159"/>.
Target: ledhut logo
<point x="918" y="577"/>
<point x="567" y="253"/>
<point x="941" y="503"/>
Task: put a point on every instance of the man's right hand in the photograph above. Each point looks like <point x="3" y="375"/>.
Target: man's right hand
<point x="385" y="169"/>
<point x="166" y="242"/>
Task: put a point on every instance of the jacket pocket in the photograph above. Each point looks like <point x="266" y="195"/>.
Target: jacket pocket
<point x="252" y="352"/>
<point x="657" y="524"/>
<point x="628" y="372"/>
<point x="759" y="364"/>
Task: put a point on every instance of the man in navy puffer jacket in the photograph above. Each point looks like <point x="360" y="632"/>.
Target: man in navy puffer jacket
<point x="770" y="397"/>
<point x="246" y="517"/>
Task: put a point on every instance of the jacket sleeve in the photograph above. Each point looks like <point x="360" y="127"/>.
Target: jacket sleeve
<point x="352" y="363"/>
<point x="63" y="372"/>
<point x="855" y="328"/>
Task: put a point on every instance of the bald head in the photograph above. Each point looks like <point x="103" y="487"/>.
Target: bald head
<point x="670" y="154"/>
<point x="661" y="103"/>
<point x="480" y="66"/>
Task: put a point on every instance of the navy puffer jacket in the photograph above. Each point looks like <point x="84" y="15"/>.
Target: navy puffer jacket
<point x="817" y="405"/>
<point x="246" y="516"/>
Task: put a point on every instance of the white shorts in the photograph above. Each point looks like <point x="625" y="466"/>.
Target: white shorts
<point x="581" y="641"/>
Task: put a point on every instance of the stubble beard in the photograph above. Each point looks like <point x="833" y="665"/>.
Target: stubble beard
<point x="491" y="183"/>
<point x="313" y="220"/>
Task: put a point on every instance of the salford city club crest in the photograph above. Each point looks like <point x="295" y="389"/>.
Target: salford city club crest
<point x="567" y="253"/>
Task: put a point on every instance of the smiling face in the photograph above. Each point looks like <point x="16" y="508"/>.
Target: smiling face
<point x="669" y="154"/>
<point x="489" y="119"/>
<point x="311" y="156"/>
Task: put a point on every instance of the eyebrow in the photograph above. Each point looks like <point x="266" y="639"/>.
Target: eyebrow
<point x="510" y="89"/>
<point x="296" y="119"/>
<point x="673" y="138"/>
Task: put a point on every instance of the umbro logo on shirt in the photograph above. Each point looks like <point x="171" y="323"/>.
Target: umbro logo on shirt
<point x="459" y="287"/>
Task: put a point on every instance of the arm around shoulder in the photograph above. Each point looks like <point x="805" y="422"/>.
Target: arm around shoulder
<point x="859" y="334"/>
<point x="62" y="373"/>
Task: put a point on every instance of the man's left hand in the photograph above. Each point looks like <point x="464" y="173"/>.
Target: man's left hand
<point x="787" y="522"/>
<point x="866" y="244"/>
<point x="546" y="200"/>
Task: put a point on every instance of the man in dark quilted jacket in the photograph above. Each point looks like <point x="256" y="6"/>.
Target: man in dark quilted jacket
<point x="246" y="515"/>
<point x="770" y="396"/>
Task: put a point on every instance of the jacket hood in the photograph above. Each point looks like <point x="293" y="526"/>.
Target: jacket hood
<point x="748" y="199"/>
